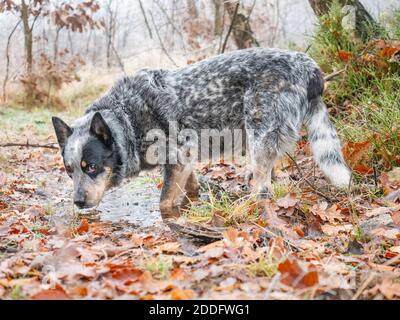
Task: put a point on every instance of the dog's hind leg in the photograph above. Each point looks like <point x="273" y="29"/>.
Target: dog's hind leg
<point x="272" y="123"/>
<point x="263" y="159"/>
<point x="173" y="196"/>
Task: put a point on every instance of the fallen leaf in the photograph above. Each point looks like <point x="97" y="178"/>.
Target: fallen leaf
<point x="83" y="226"/>
<point x="389" y="288"/>
<point x="169" y="247"/>
<point x="178" y="274"/>
<point x="377" y="211"/>
<point x="344" y="55"/>
<point x="214" y="252"/>
<point x="51" y="294"/>
<point x="396" y="218"/>
<point x="293" y="274"/>
<point x="331" y="215"/>
<point x="288" y="201"/>
<point x="179" y="294"/>
<point x="333" y="230"/>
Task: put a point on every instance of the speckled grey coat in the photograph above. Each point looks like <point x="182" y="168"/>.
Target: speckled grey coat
<point x="272" y="91"/>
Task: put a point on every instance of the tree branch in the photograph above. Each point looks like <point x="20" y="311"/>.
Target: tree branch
<point x="160" y="40"/>
<point x="230" y="28"/>
<point x="29" y="145"/>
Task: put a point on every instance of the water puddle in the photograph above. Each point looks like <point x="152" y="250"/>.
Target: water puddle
<point x="135" y="202"/>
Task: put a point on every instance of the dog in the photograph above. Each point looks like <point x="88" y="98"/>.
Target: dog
<point x="268" y="92"/>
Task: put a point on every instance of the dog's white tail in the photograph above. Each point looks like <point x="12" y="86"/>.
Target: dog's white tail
<point x="325" y="144"/>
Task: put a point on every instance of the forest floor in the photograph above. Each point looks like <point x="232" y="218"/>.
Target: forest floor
<point x="312" y="242"/>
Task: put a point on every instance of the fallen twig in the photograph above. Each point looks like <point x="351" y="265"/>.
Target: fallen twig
<point x="274" y="235"/>
<point x="307" y="181"/>
<point x="329" y="77"/>
<point x="29" y="145"/>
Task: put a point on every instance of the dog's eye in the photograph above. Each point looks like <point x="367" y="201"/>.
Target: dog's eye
<point x="91" y="168"/>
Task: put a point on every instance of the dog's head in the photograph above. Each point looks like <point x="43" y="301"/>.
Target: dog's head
<point x="91" y="158"/>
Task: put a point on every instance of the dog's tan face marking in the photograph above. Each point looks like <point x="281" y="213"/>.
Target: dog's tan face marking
<point x="95" y="188"/>
<point x="83" y="164"/>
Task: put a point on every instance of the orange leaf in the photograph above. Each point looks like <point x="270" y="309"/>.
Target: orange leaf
<point x="363" y="169"/>
<point x="177" y="274"/>
<point x="345" y="55"/>
<point x="160" y="185"/>
<point x="293" y="274"/>
<point x="388" y="52"/>
<point x="179" y="294"/>
<point x="299" y="231"/>
<point x="83" y="226"/>
<point x="355" y="152"/>
<point x="51" y="294"/>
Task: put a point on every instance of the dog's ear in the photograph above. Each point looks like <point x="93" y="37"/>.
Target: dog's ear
<point x="63" y="131"/>
<point x="100" y="129"/>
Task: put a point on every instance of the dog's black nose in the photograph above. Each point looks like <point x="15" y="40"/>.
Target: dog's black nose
<point x="80" y="204"/>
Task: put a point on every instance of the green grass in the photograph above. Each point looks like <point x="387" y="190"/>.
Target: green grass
<point x="37" y="121"/>
<point x="232" y="211"/>
<point x="17" y="294"/>
<point x="267" y="265"/>
<point x="366" y="97"/>
<point x="159" y="266"/>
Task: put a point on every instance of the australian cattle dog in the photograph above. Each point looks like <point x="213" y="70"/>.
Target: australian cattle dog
<point x="268" y="92"/>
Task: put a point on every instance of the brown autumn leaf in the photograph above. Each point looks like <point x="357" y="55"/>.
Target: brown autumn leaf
<point x="363" y="169"/>
<point x="333" y="230"/>
<point x="288" y="201"/>
<point x="216" y="252"/>
<point x="79" y="291"/>
<point x="299" y="231"/>
<point x="356" y="152"/>
<point x="83" y="226"/>
<point x="390" y="288"/>
<point x="274" y="221"/>
<point x="217" y="220"/>
<point x="231" y="234"/>
<point x="293" y="275"/>
<point x="179" y="294"/>
<point x="178" y="274"/>
<point x="125" y="272"/>
<point x="52" y="294"/>
<point x="3" y="179"/>
<point x="331" y="214"/>
<point x="396" y="218"/>
<point x="388" y="52"/>
<point x="345" y="55"/>
<point x="169" y="247"/>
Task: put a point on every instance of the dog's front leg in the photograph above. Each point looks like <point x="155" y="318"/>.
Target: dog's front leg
<point x="173" y="196"/>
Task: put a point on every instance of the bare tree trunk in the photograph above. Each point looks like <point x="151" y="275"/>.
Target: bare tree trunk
<point x="28" y="44"/>
<point x="8" y="61"/>
<point x="55" y="49"/>
<point x="242" y="32"/>
<point x="27" y="37"/>
<point x="218" y="13"/>
<point x="365" y="23"/>
<point x="145" y="19"/>
<point x="192" y="9"/>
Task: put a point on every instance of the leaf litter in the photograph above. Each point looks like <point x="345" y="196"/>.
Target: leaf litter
<point x="300" y="245"/>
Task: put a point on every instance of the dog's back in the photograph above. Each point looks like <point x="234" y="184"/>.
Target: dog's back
<point x="271" y="92"/>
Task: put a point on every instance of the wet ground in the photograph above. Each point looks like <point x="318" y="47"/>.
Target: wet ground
<point x="136" y="202"/>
